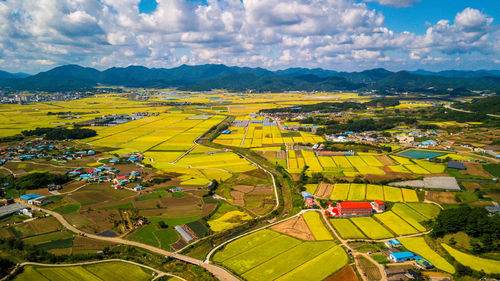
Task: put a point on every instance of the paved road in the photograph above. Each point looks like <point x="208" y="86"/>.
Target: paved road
<point x="467" y="111"/>
<point x="218" y="272"/>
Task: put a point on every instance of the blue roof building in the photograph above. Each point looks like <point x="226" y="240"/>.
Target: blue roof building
<point x="31" y="196"/>
<point x="404" y="256"/>
<point x="306" y="194"/>
<point x="395" y="242"/>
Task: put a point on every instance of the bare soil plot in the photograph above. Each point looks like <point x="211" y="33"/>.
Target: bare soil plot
<point x="295" y="227"/>
<point x="345" y="274"/>
<point x="324" y="190"/>
<point x="371" y="270"/>
<point x="262" y="190"/>
<point x="476" y="170"/>
<point x="178" y="245"/>
<point x="83" y="245"/>
<point x="385" y="160"/>
<point x="102" y="220"/>
<point x="441" y="197"/>
<point x="243" y="188"/>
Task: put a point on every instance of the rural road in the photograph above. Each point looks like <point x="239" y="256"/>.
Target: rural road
<point x="448" y="106"/>
<point x="355" y="253"/>
<point x="218" y="272"/>
<point x="159" y="273"/>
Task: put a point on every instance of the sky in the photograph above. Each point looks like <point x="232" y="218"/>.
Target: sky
<point x="343" y="35"/>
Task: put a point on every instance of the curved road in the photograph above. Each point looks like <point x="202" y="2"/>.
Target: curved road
<point x="218" y="272"/>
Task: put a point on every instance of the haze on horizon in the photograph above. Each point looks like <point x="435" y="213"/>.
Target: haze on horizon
<point x="347" y="35"/>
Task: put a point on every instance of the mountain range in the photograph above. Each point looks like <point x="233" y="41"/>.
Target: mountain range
<point x="219" y="76"/>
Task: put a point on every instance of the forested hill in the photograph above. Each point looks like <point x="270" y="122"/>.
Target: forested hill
<point x="219" y="76"/>
<point x="489" y="105"/>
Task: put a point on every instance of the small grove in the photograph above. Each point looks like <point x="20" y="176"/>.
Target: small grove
<point x="474" y="221"/>
<point x="32" y="181"/>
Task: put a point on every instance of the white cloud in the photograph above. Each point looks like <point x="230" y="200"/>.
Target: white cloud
<point x="269" y="33"/>
<point x="395" y="3"/>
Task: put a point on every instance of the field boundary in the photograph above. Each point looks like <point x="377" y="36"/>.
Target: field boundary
<point x="158" y="272"/>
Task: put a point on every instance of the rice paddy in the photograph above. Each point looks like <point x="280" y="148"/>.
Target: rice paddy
<point x="363" y="192"/>
<point x="474" y="262"/>
<point x="268" y="255"/>
<point x="420" y="247"/>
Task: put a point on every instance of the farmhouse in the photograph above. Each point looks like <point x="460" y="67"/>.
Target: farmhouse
<point x="395" y="243"/>
<point x="404" y="256"/>
<point x="30" y="198"/>
<point x="308" y="198"/>
<point x="378" y="206"/>
<point x="349" y="208"/>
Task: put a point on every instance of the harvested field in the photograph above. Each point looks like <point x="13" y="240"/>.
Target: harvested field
<point x="441" y="197"/>
<point x="243" y="188"/>
<point x="476" y="170"/>
<point x="237" y="195"/>
<point x="345" y="274"/>
<point x="324" y="190"/>
<point x="262" y="190"/>
<point x="369" y="268"/>
<point x="385" y="160"/>
<point x="178" y="245"/>
<point x="296" y="227"/>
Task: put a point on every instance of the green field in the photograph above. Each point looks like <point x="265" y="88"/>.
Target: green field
<point x="260" y="254"/>
<point x="409" y="216"/>
<point x="108" y="271"/>
<point x="428" y="210"/>
<point x="316" y="225"/>
<point x="393" y="194"/>
<point x="395" y="223"/>
<point x="372" y="228"/>
<point x="409" y="195"/>
<point x="346" y="229"/>
<point x="340" y="191"/>
<point x="244" y="244"/>
<point x="315" y="270"/>
<point x="268" y="255"/>
<point x="288" y="261"/>
<point x="476" y="263"/>
<point x="357" y="192"/>
<point x="420" y="247"/>
<point x="374" y="192"/>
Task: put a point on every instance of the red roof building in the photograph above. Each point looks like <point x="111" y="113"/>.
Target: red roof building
<point x="379" y="205"/>
<point x="354" y="208"/>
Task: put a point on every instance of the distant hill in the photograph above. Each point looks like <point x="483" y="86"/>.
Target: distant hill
<point x="219" y="76"/>
<point x="459" y="73"/>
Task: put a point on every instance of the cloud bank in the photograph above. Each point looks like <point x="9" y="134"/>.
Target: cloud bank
<point x="335" y="34"/>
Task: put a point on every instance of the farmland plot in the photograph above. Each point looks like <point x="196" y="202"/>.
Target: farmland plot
<point x="395" y="223"/>
<point x="476" y="263"/>
<point x="371" y="228"/>
<point x="340" y="191"/>
<point x="316" y="225"/>
<point x="346" y="229"/>
<point x="357" y="192"/>
<point x="420" y="247"/>
<point x="393" y="194"/>
<point x="374" y="192"/>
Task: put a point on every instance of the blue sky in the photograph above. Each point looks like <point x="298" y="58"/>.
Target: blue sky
<point x="347" y="35"/>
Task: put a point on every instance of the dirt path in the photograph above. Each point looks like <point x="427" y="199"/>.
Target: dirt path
<point x="354" y="253"/>
<point x="158" y="272"/>
<point x="218" y="272"/>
